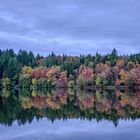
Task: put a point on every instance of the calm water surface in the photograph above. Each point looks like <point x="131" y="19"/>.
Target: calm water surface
<point x="69" y="115"/>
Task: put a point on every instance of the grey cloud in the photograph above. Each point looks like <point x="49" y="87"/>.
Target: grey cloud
<point x="78" y="26"/>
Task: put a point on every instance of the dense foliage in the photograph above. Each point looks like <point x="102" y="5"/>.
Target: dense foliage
<point x="25" y="70"/>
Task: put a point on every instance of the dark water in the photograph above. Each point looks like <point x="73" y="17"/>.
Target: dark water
<point x="66" y="115"/>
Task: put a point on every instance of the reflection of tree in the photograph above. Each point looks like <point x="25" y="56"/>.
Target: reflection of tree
<point x="5" y="93"/>
<point x="9" y="108"/>
<point x="86" y="100"/>
<point x="61" y="103"/>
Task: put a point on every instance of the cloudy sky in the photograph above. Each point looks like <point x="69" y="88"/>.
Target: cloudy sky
<point x="70" y="26"/>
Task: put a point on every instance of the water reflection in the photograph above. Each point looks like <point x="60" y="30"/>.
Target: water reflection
<point x="25" y="105"/>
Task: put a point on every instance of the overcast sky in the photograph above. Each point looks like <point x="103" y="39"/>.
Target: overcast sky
<point x="70" y="26"/>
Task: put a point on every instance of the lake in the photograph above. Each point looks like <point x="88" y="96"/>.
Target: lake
<point x="69" y="114"/>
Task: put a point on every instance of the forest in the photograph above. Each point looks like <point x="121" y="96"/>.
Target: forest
<point x="26" y="70"/>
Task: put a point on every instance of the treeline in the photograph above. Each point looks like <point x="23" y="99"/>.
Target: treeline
<point x="27" y="70"/>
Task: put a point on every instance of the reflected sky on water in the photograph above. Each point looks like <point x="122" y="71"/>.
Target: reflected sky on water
<point x="72" y="129"/>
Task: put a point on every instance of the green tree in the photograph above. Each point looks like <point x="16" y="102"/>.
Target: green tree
<point x="71" y="84"/>
<point x="6" y="83"/>
<point x="100" y="81"/>
<point x="80" y="81"/>
<point x="12" y="67"/>
<point x="25" y="81"/>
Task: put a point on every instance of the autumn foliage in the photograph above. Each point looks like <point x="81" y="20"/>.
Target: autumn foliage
<point x="25" y="70"/>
